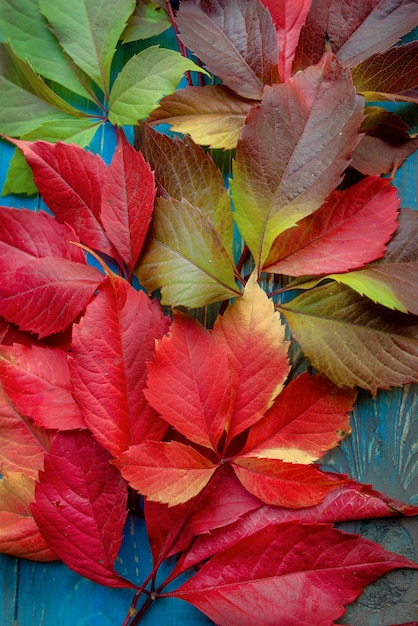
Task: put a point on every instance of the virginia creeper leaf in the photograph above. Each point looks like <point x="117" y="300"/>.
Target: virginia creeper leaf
<point x="293" y="151"/>
<point x="213" y="31"/>
<point x="143" y="81"/>
<point x="189" y="383"/>
<point x="19" y="534"/>
<point x="150" y="18"/>
<point x="348" y="231"/>
<point x="22" y="444"/>
<point x="308" y="418"/>
<point x="388" y="75"/>
<point x="45" y="295"/>
<point x="168" y="472"/>
<point x="251" y="334"/>
<point x="37" y="381"/>
<point x="345" y="503"/>
<point x="111" y="345"/>
<point x="184" y="170"/>
<point x="212" y="114"/>
<point x="89" y="32"/>
<point x="353" y="341"/>
<point x="69" y="180"/>
<point x="273" y="481"/>
<point x="403" y="247"/>
<point x="24" y="27"/>
<point x="272" y="568"/>
<point x="185" y="257"/>
<point x="127" y="201"/>
<point x="288" y="18"/>
<point x="80" y="507"/>
<point x="374" y="156"/>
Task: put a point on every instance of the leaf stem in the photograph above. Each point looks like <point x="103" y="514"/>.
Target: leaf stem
<point x="182" y="47"/>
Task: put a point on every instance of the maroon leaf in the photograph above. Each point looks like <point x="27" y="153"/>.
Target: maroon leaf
<point x="70" y="180"/>
<point x="214" y="31"/>
<point x="128" y="201"/>
<point x="37" y="380"/>
<point x="80" y="507"/>
<point x="45" y="295"/>
<point x="111" y="346"/>
<point x="374" y="155"/>
<point x="293" y="574"/>
<point x="348" y="231"/>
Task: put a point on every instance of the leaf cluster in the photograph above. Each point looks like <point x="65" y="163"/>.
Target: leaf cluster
<point x="109" y="391"/>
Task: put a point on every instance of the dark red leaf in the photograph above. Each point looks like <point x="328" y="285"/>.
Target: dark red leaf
<point x="289" y="574"/>
<point x="110" y="348"/>
<point x="80" y="507"/>
<point x="37" y="380"/>
<point x="127" y="201"/>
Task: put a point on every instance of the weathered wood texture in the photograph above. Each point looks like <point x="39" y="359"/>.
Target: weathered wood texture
<point x="382" y="451"/>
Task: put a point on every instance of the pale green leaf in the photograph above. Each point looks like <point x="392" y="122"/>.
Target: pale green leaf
<point x="353" y="341"/>
<point x="185" y="257"/>
<point x="25" y="27"/>
<point x="19" y="177"/>
<point x="149" y="19"/>
<point x="144" y="80"/>
<point x="88" y="31"/>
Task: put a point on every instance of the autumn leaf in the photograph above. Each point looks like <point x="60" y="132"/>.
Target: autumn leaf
<point x="80" y="507"/>
<point x="212" y="115"/>
<point x="214" y="33"/>
<point x="150" y="18"/>
<point x="110" y="348"/>
<point x="127" y="201"/>
<point x="37" y="381"/>
<point x="271" y="567"/>
<point x="288" y="18"/>
<point x="19" y="534"/>
<point x="351" y="340"/>
<point x="350" y="230"/>
<point x="293" y="151"/>
<point x="191" y="386"/>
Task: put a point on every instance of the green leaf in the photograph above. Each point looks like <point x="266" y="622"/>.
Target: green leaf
<point x="88" y="32"/>
<point x="149" y="19"/>
<point x="212" y="115"/>
<point x="185" y="257"/>
<point x="144" y="80"/>
<point x="293" y="151"/>
<point x="26" y="101"/>
<point x="353" y="341"/>
<point x="19" y="177"/>
<point x="25" y="27"/>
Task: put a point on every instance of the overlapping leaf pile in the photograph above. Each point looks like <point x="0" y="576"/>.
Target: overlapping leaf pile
<point x="105" y="386"/>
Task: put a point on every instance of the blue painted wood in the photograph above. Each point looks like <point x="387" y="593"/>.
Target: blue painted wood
<point x="382" y="451"/>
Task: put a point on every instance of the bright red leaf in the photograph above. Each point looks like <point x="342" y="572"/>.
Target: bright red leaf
<point x="289" y="574"/>
<point x="127" y="201"/>
<point x="80" y="507"/>
<point x="351" y="229"/>
<point x="110" y="348"/>
<point x="37" y="380"/>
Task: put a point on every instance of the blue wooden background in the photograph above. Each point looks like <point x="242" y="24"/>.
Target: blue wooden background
<point x="381" y="451"/>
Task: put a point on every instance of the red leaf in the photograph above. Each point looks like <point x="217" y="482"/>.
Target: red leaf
<point x="167" y="472"/>
<point x="189" y="382"/>
<point x="22" y="445"/>
<point x="45" y="295"/>
<point x="288" y="18"/>
<point x="111" y="346"/>
<point x="128" y="201"/>
<point x="251" y="334"/>
<point x="276" y="482"/>
<point x="308" y="418"/>
<point x="348" y="231"/>
<point x="70" y="180"/>
<point x="37" y="380"/>
<point x="19" y="535"/>
<point x="345" y="503"/>
<point x="80" y="507"/>
<point x="289" y="574"/>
